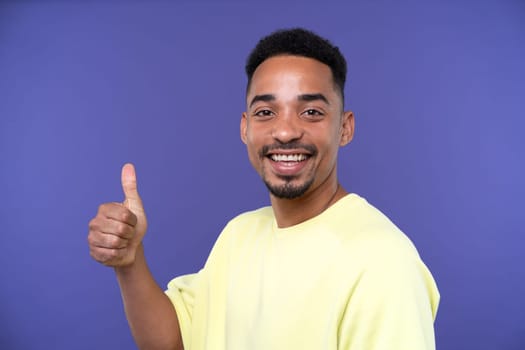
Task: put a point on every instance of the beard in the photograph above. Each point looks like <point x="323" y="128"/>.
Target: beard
<point x="288" y="190"/>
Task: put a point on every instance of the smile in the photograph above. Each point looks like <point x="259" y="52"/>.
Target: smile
<point x="288" y="157"/>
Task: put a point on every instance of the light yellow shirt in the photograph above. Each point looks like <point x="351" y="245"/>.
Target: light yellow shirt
<point x="345" y="279"/>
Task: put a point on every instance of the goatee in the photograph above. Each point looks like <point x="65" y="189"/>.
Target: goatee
<point x="288" y="190"/>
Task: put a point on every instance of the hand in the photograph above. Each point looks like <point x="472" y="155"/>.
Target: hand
<point x="117" y="230"/>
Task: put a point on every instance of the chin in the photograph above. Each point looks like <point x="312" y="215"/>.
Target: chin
<point x="288" y="190"/>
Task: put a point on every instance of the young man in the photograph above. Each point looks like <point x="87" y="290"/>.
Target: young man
<point x="319" y="269"/>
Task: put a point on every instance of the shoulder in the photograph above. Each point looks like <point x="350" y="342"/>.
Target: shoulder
<point x="245" y="225"/>
<point x="370" y="242"/>
<point x="357" y="213"/>
<point x="264" y="214"/>
<point x="388" y="262"/>
<point x="363" y="228"/>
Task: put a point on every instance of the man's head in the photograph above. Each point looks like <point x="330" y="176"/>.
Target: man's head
<point x="294" y="122"/>
<point x="299" y="42"/>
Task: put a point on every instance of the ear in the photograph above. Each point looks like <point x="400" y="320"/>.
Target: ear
<point x="347" y="128"/>
<point x="244" y="127"/>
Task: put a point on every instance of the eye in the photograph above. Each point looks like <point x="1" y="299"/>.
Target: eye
<point x="263" y="113"/>
<point x="313" y="114"/>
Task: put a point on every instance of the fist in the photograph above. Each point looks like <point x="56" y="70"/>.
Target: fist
<point x="117" y="230"/>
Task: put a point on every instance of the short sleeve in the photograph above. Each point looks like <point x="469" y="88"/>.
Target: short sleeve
<point x="181" y="291"/>
<point x="392" y="306"/>
<point x="191" y="297"/>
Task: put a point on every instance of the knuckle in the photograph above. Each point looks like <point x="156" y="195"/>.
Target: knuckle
<point x="113" y="254"/>
<point x="93" y="238"/>
<point x="102" y="207"/>
<point x="125" y="215"/>
<point x="109" y="257"/>
<point x="90" y="239"/>
<point x="92" y="223"/>
<point x="126" y="232"/>
<point x="120" y="228"/>
<point x="113" y="241"/>
<point x="97" y="256"/>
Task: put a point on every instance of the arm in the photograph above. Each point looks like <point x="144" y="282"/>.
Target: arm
<point x="115" y="239"/>
<point x="151" y="316"/>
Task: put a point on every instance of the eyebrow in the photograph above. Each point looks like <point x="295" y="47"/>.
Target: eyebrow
<point x="303" y="97"/>
<point x="262" y="98"/>
<point x="313" y="97"/>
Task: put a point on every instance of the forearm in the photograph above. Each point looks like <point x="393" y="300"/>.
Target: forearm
<point x="151" y="316"/>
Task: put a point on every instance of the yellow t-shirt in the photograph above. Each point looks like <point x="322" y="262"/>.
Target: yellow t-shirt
<point x="345" y="279"/>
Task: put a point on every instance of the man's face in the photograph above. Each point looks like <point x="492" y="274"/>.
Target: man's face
<point x="294" y="125"/>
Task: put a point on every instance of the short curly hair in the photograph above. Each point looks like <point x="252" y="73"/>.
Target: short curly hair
<point x="298" y="42"/>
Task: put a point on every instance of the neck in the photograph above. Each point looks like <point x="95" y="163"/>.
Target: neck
<point x="289" y="212"/>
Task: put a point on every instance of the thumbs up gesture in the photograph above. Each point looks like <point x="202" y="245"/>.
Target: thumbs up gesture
<point x="117" y="230"/>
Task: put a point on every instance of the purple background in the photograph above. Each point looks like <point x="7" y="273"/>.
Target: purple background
<point x="438" y="91"/>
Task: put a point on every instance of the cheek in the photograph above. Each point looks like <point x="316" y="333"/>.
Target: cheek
<point x="252" y="147"/>
<point x="330" y="146"/>
<point x="254" y="140"/>
<point x="326" y="137"/>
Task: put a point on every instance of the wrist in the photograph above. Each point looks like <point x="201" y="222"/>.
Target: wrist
<point x="138" y="261"/>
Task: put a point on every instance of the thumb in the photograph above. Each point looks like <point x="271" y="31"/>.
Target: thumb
<point x="129" y="184"/>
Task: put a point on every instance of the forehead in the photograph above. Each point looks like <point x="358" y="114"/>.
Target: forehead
<point x="286" y="72"/>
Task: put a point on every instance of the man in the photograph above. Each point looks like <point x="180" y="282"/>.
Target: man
<point x="319" y="269"/>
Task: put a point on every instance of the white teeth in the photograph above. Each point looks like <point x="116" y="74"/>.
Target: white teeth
<point x="288" y="157"/>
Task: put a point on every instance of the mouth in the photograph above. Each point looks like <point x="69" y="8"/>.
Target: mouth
<point x="288" y="159"/>
<point x="288" y="163"/>
<point x="295" y="158"/>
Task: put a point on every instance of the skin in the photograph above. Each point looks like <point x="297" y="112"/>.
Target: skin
<point x="290" y="99"/>
<point x="115" y="239"/>
<point x="293" y="99"/>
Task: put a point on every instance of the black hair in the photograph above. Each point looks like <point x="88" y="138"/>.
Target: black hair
<point x="299" y="42"/>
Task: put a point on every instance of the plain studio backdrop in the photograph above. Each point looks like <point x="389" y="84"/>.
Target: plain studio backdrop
<point x="438" y="90"/>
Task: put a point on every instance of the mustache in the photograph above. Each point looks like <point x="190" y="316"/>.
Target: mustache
<point x="289" y="145"/>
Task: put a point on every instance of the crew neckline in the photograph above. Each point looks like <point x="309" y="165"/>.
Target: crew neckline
<point x="328" y="211"/>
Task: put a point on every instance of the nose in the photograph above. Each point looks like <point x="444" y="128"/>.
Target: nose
<point x="286" y="128"/>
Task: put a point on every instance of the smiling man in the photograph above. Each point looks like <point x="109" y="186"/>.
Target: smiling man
<point x="319" y="269"/>
<point x="293" y="128"/>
